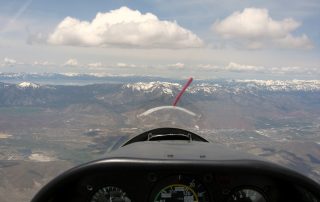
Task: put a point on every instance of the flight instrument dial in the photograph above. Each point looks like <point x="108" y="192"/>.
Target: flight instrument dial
<point x="181" y="188"/>
<point x="110" y="194"/>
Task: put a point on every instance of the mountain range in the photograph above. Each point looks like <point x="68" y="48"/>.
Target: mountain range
<point x="48" y="124"/>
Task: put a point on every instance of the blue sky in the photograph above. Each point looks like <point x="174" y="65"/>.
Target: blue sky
<point x="204" y="39"/>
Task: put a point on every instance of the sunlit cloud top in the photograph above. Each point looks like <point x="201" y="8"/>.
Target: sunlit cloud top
<point x="123" y="27"/>
<point x="178" y="39"/>
<point x="259" y="30"/>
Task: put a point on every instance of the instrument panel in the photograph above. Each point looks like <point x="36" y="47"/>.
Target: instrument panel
<point x="144" y="181"/>
<point x="168" y="187"/>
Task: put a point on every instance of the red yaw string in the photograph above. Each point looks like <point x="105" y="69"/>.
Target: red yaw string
<point x="182" y="91"/>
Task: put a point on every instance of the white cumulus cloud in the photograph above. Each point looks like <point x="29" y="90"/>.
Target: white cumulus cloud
<point x="235" y="67"/>
<point x="122" y="64"/>
<point x="290" y="41"/>
<point x="123" y="27"/>
<point x="177" y="65"/>
<point x="9" y="61"/>
<point x="71" y="62"/>
<point x="245" y="68"/>
<point x="95" y="65"/>
<point x="258" y="29"/>
<point x="42" y="63"/>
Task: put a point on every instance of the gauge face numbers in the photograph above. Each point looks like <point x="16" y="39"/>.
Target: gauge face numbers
<point x="176" y="192"/>
<point x="182" y="189"/>
<point x="247" y="195"/>
<point x="110" y="194"/>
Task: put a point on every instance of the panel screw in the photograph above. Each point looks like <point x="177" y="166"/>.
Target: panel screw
<point x="207" y="178"/>
<point x="152" y="177"/>
<point x="89" y="187"/>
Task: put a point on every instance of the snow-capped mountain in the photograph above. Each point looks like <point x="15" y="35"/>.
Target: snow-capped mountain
<point x="28" y="85"/>
<point x="278" y="85"/>
<point x="246" y="97"/>
<point x="234" y="87"/>
<point x="162" y="85"/>
<point x="149" y="87"/>
<point x="73" y="78"/>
